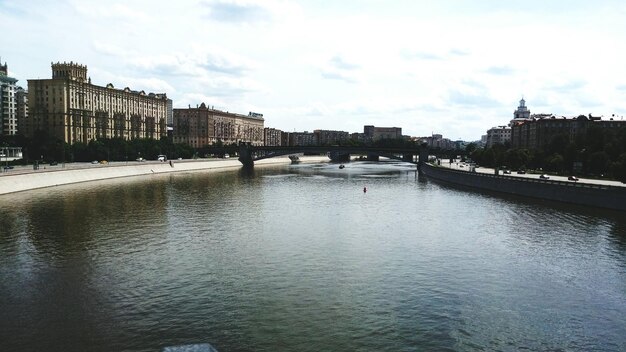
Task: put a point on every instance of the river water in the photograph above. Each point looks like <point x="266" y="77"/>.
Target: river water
<point x="299" y="258"/>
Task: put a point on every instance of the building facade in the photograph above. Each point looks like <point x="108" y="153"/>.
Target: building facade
<point x="272" y="137"/>
<point x="72" y="109"/>
<point x="201" y="126"/>
<point x="329" y="137"/>
<point x="498" y="135"/>
<point x="438" y="141"/>
<point x="301" y="139"/>
<point x="539" y="131"/>
<point x="376" y="133"/>
<point x="8" y="111"/>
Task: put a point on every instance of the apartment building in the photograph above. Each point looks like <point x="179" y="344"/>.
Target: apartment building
<point x="8" y="108"/>
<point x="537" y="132"/>
<point x="69" y="107"/>
<point x="203" y="125"/>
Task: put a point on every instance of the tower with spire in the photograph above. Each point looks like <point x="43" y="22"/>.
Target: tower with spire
<point x="4" y="71"/>
<point x="522" y="111"/>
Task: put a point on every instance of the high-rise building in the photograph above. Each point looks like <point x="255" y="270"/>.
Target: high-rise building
<point x="8" y="115"/>
<point x="72" y="109"/>
<point x="202" y="126"/>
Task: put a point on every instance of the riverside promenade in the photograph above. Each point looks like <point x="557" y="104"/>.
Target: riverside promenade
<point x="608" y="194"/>
<point x="23" y="178"/>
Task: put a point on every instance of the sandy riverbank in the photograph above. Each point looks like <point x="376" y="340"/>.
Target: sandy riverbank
<point x="33" y="179"/>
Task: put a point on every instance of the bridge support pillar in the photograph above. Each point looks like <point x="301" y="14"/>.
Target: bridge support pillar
<point x="245" y="154"/>
<point x="423" y="157"/>
<point x="373" y="157"/>
<point x="407" y="157"/>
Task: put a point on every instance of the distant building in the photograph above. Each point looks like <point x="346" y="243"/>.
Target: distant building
<point x="376" y="133"/>
<point x="329" y="137"/>
<point x="498" y="135"/>
<point x="437" y="141"/>
<point x="539" y="131"/>
<point x="300" y="138"/>
<point x="272" y="137"/>
<point x="201" y="126"/>
<point x="8" y="113"/>
<point x="72" y="109"/>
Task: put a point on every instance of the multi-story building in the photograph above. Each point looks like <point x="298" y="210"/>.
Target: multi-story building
<point x="539" y="131"/>
<point x="498" y="135"/>
<point x="8" y="115"/>
<point x="328" y="137"/>
<point x="376" y="133"/>
<point x="201" y="126"/>
<point x="438" y="141"/>
<point x="272" y="137"/>
<point x="72" y="109"/>
<point x="299" y="138"/>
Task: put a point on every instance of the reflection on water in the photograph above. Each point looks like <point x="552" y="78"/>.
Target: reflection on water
<point x="298" y="258"/>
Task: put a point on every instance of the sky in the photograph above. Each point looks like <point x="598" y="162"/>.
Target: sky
<point x="450" y="67"/>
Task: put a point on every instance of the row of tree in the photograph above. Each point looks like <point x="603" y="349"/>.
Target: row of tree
<point x="46" y="148"/>
<point x="597" y="152"/>
<point x="43" y="147"/>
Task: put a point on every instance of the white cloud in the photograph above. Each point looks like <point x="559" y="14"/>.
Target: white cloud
<point x="451" y="67"/>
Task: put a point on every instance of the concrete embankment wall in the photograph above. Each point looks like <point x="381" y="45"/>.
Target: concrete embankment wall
<point x="39" y="179"/>
<point x="610" y="197"/>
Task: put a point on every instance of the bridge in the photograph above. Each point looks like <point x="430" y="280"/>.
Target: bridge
<point x="248" y="154"/>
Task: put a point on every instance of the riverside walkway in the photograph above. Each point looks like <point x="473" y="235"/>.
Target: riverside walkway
<point x="485" y="170"/>
<point x="23" y="178"/>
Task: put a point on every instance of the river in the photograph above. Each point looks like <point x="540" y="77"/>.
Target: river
<point x="300" y="258"/>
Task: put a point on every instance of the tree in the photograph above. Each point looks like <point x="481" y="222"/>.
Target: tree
<point x="599" y="163"/>
<point x="554" y="163"/>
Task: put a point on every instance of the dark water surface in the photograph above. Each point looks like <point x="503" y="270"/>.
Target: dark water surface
<point x="300" y="259"/>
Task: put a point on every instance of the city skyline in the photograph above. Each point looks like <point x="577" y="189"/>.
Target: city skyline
<point x="451" y="68"/>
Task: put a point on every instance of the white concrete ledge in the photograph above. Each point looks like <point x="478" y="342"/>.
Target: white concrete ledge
<point x="10" y="183"/>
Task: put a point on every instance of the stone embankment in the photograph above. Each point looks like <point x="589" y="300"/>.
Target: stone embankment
<point x="603" y="196"/>
<point x="23" y="179"/>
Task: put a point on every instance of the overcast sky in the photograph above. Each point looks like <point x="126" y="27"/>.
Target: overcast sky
<point x="454" y="67"/>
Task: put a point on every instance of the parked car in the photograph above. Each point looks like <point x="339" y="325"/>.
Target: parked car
<point x="52" y="163"/>
<point x="506" y="172"/>
<point x="140" y="159"/>
<point x="521" y="172"/>
<point x="573" y="178"/>
<point x="162" y="158"/>
<point x="94" y="162"/>
<point x="8" y="167"/>
<point x="544" y="177"/>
